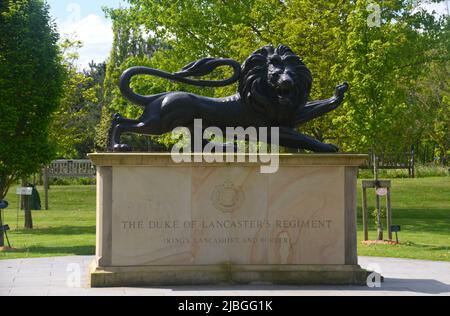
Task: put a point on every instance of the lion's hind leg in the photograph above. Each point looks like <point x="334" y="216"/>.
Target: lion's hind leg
<point x="120" y="126"/>
<point x="120" y="119"/>
<point x="293" y="139"/>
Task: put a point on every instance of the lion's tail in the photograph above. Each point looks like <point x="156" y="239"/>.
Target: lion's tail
<point x="198" y="68"/>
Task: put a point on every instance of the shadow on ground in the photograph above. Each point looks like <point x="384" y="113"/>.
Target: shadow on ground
<point x="60" y="251"/>
<point x="60" y="230"/>
<point x="418" y="286"/>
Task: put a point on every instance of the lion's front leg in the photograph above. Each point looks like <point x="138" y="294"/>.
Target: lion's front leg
<point x="316" y="109"/>
<point x="293" y="139"/>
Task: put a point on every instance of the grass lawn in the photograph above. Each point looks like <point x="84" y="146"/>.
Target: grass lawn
<point x="68" y="228"/>
<point x="420" y="206"/>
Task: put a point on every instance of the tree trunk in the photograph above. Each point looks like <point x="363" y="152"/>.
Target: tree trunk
<point x="379" y="220"/>
<point x="23" y="198"/>
<point x="443" y="156"/>
<point x="26" y="206"/>
<point x="28" y="216"/>
<point x="2" y="241"/>
<point x="379" y="223"/>
<point x="5" y="181"/>
<point x="46" y="187"/>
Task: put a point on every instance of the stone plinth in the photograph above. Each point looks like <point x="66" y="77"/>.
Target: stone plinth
<point x="166" y="223"/>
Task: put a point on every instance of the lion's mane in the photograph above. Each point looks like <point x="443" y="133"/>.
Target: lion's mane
<point x="256" y="92"/>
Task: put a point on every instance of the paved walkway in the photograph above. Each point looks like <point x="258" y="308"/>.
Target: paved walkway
<point x="60" y="276"/>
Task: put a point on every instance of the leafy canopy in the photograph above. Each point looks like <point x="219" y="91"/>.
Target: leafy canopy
<point x="30" y="87"/>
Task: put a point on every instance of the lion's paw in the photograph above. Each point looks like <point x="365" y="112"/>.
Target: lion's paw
<point x="330" y="148"/>
<point x="117" y="118"/>
<point x="341" y="89"/>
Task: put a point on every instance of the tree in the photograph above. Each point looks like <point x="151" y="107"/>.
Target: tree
<point x="432" y="97"/>
<point x="128" y="41"/>
<point x="382" y="62"/>
<point x="30" y="88"/>
<point x="73" y="125"/>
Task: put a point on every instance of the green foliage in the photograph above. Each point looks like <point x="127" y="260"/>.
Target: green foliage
<point x="74" y="123"/>
<point x="71" y="181"/>
<point x="382" y="216"/>
<point x="124" y="45"/>
<point x="382" y="63"/>
<point x="30" y="87"/>
<point x="421" y="171"/>
<point x="432" y="97"/>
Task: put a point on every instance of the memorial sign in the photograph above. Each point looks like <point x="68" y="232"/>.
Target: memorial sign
<point x="160" y="222"/>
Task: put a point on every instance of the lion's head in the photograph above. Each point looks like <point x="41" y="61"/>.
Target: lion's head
<point x="275" y="82"/>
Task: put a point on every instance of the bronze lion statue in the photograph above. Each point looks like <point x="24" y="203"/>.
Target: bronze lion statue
<point x="274" y="88"/>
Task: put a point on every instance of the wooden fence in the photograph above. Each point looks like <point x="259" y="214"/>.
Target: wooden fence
<point x="67" y="169"/>
<point x="405" y="160"/>
<point x="71" y="169"/>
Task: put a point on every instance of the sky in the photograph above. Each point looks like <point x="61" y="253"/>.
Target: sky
<point x="84" y="20"/>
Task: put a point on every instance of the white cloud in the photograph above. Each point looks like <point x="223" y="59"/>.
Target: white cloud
<point x="96" y="34"/>
<point x="440" y="8"/>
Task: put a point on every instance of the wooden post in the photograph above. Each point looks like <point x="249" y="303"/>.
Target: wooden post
<point x="46" y="187"/>
<point x="368" y="184"/>
<point x="413" y="162"/>
<point x="22" y="198"/>
<point x="389" y="212"/>
<point x="364" y="214"/>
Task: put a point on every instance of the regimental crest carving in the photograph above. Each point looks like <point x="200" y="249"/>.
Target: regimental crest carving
<point x="227" y="197"/>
